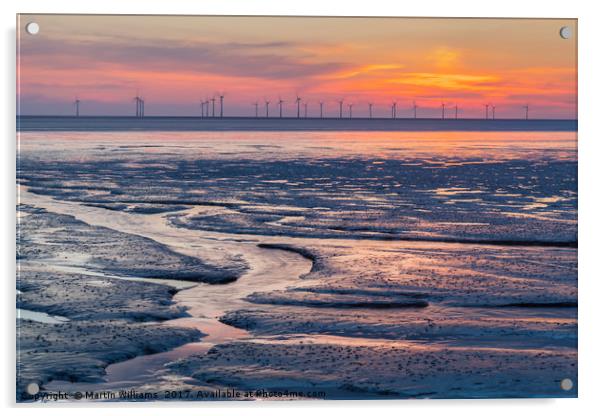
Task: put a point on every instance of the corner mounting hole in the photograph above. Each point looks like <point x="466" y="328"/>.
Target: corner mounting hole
<point x="565" y="32"/>
<point x="566" y="384"/>
<point x="32" y="28"/>
<point x="33" y="389"/>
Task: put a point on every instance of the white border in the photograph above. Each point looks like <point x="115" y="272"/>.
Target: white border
<point x="590" y="139"/>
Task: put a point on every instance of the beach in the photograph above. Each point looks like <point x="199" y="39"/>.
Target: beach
<point x="335" y="264"/>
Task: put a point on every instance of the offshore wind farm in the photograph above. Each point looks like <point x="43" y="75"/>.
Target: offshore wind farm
<point x="294" y="119"/>
<point x="369" y="107"/>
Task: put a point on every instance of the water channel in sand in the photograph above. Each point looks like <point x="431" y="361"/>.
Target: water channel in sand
<point x="268" y="270"/>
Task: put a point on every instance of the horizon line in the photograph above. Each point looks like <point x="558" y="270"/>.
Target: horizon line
<point x="346" y="118"/>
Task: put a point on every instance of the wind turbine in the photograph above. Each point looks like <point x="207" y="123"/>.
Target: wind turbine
<point x="256" y="104"/>
<point x="207" y="107"/>
<point x="305" y="110"/>
<point x="456" y="108"/>
<point x="394" y="109"/>
<point x="202" y="108"/>
<point x="280" y="102"/>
<point x="76" y="102"/>
<point x="442" y="111"/>
<point x="493" y="111"/>
<point x="350" y="110"/>
<point x="321" y="108"/>
<point x="141" y="107"/>
<point x="526" y="107"/>
<point x="221" y="104"/>
<point x="370" y="109"/>
<point x="267" y="108"/>
<point x="137" y="100"/>
<point x="486" y="111"/>
<point x="213" y="106"/>
<point x="415" y="107"/>
<point x="340" y="108"/>
<point x="298" y="101"/>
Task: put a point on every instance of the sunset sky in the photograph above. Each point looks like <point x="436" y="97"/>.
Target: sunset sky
<point x="174" y="62"/>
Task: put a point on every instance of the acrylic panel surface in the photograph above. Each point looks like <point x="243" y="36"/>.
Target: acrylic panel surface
<point x="295" y="208"/>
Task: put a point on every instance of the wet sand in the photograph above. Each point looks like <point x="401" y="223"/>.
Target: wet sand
<point x="307" y="262"/>
<point x="234" y="316"/>
<point x="204" y="304"/>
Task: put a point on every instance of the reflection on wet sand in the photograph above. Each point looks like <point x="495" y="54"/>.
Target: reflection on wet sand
<point x="343" y="248"/>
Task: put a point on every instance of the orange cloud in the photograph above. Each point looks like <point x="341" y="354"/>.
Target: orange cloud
<point x="444" y="58"/>
<point x="447" y="81"/>
<point x="366" y="70"/>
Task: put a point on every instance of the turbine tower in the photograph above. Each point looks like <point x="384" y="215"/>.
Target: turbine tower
<point x="280" y="102"/>
<point x="267" y="108"/>
<point x="486" y="111"/>
<point x="526" y="107"/>
<point x="256" y="104"/>
<point x="415" y="107"/>
<point x="137" y="100"/>
<point x="76" y="102"/>
<point x="298" y="101"/>
<point x="370" y="109"/>
<point x="456" y="108"/>
<point x="221" y="104"/>
<point x="351" y="110"/>
<point x="321" y="109"/>
<point x="202" y="108"/>
<point x="305" y="110"/>
<point x="340" y="108"/>
<point x="394" y="109"/>
<point x="442" y="111"/>
<point x="493" y="111"/>
<point x="213" y="106"/>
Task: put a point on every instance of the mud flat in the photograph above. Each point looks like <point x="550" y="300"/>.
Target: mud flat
<point x="318" y="185"/>
<point x="86" y="297"/>
<point x="79" y="351"/>
<point x="344" y="368"/>
<point x="111" y="251"/>
<point x="348" y="330"/>
<point x="461" y="294"/>
<point x="72" y="275"/>
<point x="451" y="274"/>
<point x="442" y="319"/>
<point x="319" y="261"/>
<point x="100" y="317"/>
